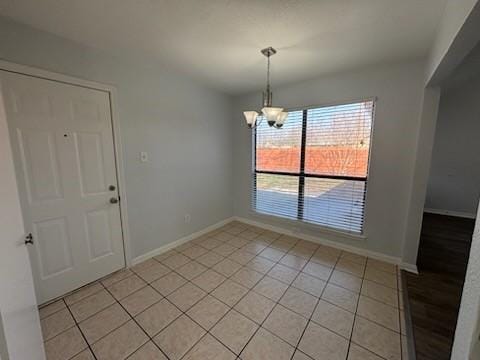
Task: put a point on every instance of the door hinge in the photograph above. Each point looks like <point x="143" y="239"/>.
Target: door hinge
<point x="29" y="239"/>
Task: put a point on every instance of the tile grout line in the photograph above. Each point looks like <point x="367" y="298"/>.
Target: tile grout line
<point x="316" y="305"/>
<point x="135" y="321"/>
<point x="100" y="310"/>
<point x="278" y="262"/>
<point x="355" y="319"/>
<point x="62" y="297"/>
<point x="300" y="271"/>
<point x="215" y="232"/>
<point x="242" y="266"/>
<point x="281" y="297"/>
<point x="54" y="313"/>
<point x="149" y="284"/>
<point x="60" y="333"/>
<point x="117" y="301"/>
<point x="239" y="300"/>
<point x="207" y="294"/>
<point x="251" y="289"/>
<point x="81" y="332"/>
<point x="164" y="297"/>
<point x="211" y="268"/>
<point x="356" y="309"/>
<point x="232" y="308"/>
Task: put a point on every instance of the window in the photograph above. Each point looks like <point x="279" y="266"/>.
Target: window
<point x="315" y="168"/>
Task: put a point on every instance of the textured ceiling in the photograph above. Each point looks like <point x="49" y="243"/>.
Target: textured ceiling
<point x="218" y="41"/>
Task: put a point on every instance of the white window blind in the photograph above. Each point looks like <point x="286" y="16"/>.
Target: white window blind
<point x="315" y="168"/>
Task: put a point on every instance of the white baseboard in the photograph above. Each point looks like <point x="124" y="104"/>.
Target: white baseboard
<point x="409" y="267"/>
<point x="450" y="213"/>
<point x="281" y="230"/>
<point x="179" y="242"/>
<point x="322" y="241"/>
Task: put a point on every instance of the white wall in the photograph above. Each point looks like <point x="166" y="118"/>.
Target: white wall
<point x="3" y="341"/>
<point x="454" y="183"/>
<point x="399" y="88"/>
<point x="418" y="190"/>
<point x="468" y="326"/>
<point x="475" y="353"/>
<point x="184" y="126"/>
<point x="454" y="17"/>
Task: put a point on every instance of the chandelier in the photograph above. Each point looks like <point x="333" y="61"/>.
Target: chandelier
<point x="275" y="115"/>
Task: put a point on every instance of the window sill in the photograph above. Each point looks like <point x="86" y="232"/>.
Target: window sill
<point x="299" y="227"/>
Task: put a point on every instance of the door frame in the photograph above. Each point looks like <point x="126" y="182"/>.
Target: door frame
<point x="117" y="139"/>
<point x="468" y="320"/>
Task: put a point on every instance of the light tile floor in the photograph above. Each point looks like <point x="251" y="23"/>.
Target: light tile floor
<point x="239" y="292"/>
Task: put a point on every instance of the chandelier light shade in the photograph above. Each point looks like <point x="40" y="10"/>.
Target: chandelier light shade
<point x="281" y="119"/>
<point x="251" y="118"/>
<point x="271" y="113"/>
<point x="275" y="116"/>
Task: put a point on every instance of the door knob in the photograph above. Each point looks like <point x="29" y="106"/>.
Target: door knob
<point x="113" y="200"/>
<point x="111" y="188"/>
<point x="29" y="239"/>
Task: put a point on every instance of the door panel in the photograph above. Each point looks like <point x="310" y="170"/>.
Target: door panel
<point x="90" y="157"/>
<point x="63" y="148"/>
<point x="53" y="250"/>
<point x="31" y="107"/>
<point x="39" y="160"/>
<point x="98" y="234"/>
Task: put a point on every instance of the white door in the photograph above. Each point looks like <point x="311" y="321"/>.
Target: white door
<point x="62" y="142"/>
<point x="476" y="343"/>
<point x="20" y="334"/>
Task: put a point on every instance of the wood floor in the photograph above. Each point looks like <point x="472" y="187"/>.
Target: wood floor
<point x="434" y="295"/>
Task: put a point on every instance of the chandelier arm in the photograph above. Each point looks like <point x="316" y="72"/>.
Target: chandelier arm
<point x="257" y="123"/>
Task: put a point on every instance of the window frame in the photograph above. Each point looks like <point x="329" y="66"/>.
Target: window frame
<point x="301" y="175"/>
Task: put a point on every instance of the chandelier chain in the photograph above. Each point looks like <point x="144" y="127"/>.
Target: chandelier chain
<point x="268" y="72"/>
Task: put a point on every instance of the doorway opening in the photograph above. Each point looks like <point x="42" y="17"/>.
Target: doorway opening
<point x="449" y="216"/>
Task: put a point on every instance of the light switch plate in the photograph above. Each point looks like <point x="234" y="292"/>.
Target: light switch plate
<point x="143" y="156"/>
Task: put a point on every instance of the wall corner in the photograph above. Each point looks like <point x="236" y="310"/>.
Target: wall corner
<point x="421" y="171"/>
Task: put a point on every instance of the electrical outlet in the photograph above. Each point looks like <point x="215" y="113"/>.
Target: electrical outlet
<point x="187" y="218"/>
<point x="143" y="156"/>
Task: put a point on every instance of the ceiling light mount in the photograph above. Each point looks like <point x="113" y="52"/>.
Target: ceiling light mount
<point x="269" y="51"/>
<point x="275" y="115"/>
